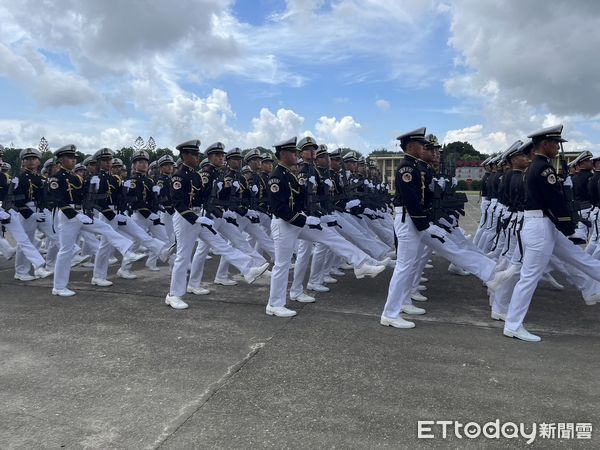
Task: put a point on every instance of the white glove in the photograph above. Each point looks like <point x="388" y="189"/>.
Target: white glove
<point x="312" y="220"/>
<point x="568" y="182"/>
<point x="41" y="217"/>
<point x="454" y="181"/>
<point x="15" y="181"/>
<point x="371" y="185"/>
<point x="435" y="230"/>
<point x="352" y="203"/>
<point x="219" y="185"/>
<point x="202" y="220"/>
<point x="254" y="189"/>
<point x="121" y="218"/>
<point x="127" y="184"/>
<point x="312" y="180"/>
<point x="156" y="189"/>
<point x="369" y="211"/>
<point x="229" y="215"/>
<point x="95" y="180"/>
<point x="442" y="183"/>
<point x="153" y="216"/>
<point x="251" y="214"/>
<point x="366" y="182"/>
<point x="236" y="184"/>
<point x="84" y="219"/>
<point x="445" y="222"/>
<point x="328" y="182"/>
<point x="4" y="215"/>
<point x="355" y="180"/>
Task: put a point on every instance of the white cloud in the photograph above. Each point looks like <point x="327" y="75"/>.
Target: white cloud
<point x="134" y="59"/>
<point x="382" y="104"/>
<point x="475" y="135"/>
<point x="186" y="117"/>
<point x="511" y="42"/>
<point x="49" y="86"/>
<point x="522" y="75"/>
<point x="340" y="133"/>
<point x="27" y="134"/>
<point x="269" y="128"/>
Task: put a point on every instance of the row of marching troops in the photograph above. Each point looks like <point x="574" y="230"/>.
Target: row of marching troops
<point x="535" y="220"/>
<point x="329" y="209"/>
<point x="325" y="208"/>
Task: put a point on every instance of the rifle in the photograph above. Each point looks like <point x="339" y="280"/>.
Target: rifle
<point x="214" y="205"/>
<point x="255" y="203"/>
<point x="89" y="201"/>
<point x="573" y="207"/>
<point x="43" y="201"/>
<point x="9" y="201"/>
<point x="447" y="203"/>
<point x="312" y="202"/>
<point x="351" y="193"/>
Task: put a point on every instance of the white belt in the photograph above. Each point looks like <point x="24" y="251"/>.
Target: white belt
<point x="533" y="213"/>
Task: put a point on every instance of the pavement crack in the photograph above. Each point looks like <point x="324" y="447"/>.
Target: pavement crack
<point x="190" y="409"/>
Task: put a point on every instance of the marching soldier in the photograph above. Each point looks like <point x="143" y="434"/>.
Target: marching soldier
<point x="258" y="187"/>
<point x="547" y="223"/>
<point x="108" y="200"/>
<point x="342" y="197"/>
<point x="66" y="193"/>
<point x="89" y="165"/>
<point x="291" y="222"/>
<point x="484" y="200"/>
<point x="190" y="224"/>
<point x="224" y="221"/>
<point x="594" y="194"/>
<point x="117" y="165"/>
<point x="583" y="164"/>
<point x="10" y="221"/>
<point x="142" y="197"/>
<point x="231" y="195"/>
<point x="166" y="167"/>
<point x="413" y="226"/>
<point x="30" y="198"/>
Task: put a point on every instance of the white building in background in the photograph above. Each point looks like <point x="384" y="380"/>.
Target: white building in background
<point x="387" y="163"/>
<point x="469" y="170"/>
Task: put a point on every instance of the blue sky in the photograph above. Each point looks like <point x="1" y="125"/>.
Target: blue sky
<point x="351" y="73"/>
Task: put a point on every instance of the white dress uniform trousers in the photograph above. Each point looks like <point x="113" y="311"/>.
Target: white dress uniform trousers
<point x="130" y="230"/>
<point x="37" y="221"/>
<point x="483" y="206"/>
<point x="15" y="228"/>
<point x="541" y="239"/>
<point x="67" y="230"/>
<point x="410" y="242"/>
<point x="186" y="234"/>
<point x="285" y="235"/>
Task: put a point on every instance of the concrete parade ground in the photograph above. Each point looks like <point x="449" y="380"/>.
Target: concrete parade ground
<point x="116" y="368"/>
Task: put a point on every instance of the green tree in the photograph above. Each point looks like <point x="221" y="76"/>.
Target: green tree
<point x="11" y="156"/>
<point x="125" y="155"/>
<point x="459" y="150"/>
